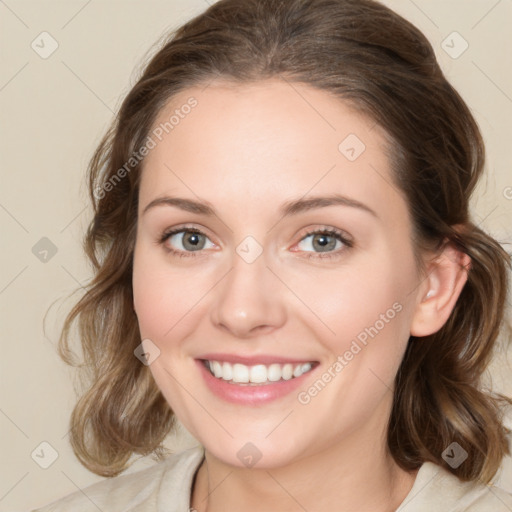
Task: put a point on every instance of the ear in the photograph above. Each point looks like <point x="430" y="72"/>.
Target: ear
<point x="447" y="274"/>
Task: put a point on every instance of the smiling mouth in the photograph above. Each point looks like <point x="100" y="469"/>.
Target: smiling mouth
<point x="259" y="374"/>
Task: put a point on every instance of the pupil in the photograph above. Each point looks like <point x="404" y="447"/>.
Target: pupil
<point x="192" y="241"/>
<point x="324" y="242"/>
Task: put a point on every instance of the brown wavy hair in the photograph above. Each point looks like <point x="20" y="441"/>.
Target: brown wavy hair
<point x="366" y="55"/>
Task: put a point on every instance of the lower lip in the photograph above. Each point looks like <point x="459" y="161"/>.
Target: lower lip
<point x="250" y="394"/>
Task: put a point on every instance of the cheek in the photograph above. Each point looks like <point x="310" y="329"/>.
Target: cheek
<point x="152" y="294"/>
<point x="367" y="294"/>
<point x="370" y="312"/>
<point x="167" y="296"/>
<point x="147" y="296"/>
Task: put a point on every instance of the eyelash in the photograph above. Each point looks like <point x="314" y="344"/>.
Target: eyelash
<point x="338" y="235"/>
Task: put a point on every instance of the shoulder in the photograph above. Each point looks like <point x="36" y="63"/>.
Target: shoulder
<point x="163" y="486"/>
<point x="435" y="488"/>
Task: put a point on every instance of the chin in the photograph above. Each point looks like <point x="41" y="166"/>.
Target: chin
<point x="251" y="452"/>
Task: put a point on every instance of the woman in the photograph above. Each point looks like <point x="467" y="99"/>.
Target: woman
<point x="285" y="262"/>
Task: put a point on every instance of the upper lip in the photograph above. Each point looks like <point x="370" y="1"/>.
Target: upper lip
<point x="265" y="359"/>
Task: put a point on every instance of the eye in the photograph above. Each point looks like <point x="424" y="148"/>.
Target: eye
<point x="325" y="241"/>
<point x="184" y="241"/>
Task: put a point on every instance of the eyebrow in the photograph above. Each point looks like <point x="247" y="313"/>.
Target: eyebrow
<point x="288" y="208"/>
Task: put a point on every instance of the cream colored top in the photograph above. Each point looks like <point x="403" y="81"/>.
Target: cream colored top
<point x="166" y="487"/>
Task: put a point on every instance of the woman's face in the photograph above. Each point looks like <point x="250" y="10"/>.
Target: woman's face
<point x="243" y="175"/>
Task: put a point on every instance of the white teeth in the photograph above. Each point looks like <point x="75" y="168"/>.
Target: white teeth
<point x="217" y="368"/>
<point x="240" y="373"/>
<point x="304" y="368"/>
<point x="287" y="371"/>
<point x="258" y="374"/>
<point x="297" y="371"/>
<point x="274" y="372"/>
<point x="227" y="371"/>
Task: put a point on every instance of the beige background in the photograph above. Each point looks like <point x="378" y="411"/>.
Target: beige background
<point x="54" y="111"/>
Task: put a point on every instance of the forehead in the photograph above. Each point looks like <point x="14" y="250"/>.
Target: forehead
<point x="266" y="141"/>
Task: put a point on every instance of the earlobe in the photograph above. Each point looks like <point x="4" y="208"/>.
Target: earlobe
<point x="447" y="274"/>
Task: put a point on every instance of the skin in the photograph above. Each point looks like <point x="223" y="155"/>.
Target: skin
<point x="246" y="150"/>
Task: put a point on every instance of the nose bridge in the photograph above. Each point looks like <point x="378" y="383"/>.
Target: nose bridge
<point x="248" y="298"/>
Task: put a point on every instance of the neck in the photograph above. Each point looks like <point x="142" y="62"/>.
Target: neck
<point x="356" y="473"/>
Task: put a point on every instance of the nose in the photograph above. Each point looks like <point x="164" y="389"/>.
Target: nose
<point x="249" y="300"/>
